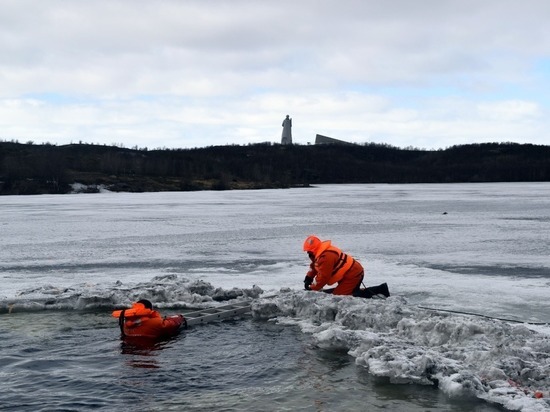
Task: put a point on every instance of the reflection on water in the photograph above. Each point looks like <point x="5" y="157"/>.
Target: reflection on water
<point x="142" y="352"/>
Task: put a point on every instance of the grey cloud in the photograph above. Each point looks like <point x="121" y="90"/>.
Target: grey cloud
<point x="213" y="56"/>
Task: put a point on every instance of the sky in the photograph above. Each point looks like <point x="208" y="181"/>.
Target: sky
<point x="426" y="74"/>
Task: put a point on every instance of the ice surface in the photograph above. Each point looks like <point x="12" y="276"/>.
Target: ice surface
<point x="496" y="361"/>
<point x="476" y="248"/>
<point x="168" y="291"/>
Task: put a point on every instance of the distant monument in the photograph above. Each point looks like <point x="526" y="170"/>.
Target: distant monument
<point x="286" y="137"/>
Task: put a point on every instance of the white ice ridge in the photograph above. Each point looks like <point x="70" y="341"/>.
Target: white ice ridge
<point x="502" y="363"/>
<point x="166" y="291"/>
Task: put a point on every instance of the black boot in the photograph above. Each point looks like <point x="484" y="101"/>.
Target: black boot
<point x="363" y="293"/>
<point x="384" y="289"/>
<point x="379" y="290"/>
<point x="373" y="291"/>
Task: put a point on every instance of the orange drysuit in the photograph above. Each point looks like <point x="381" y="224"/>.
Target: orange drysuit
<point x="142" y="322"/>
<point x="330" y="265"/>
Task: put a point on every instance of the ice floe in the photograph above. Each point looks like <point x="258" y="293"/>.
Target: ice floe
<point x="500" y="362"/>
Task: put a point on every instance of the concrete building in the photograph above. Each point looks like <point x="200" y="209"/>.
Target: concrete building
<point x="320" y="139"/>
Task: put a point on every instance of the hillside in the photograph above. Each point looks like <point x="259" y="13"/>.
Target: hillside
<point x="36" y="169"/>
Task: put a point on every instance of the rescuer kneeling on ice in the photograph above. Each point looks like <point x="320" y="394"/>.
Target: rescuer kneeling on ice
<point x="329" y="266"/>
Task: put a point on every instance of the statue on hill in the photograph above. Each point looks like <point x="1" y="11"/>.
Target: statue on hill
<point x="286" y="137"/>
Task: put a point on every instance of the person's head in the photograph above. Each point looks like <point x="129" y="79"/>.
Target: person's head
<point x="146" y="303"/>
<point x="311" y="244"/>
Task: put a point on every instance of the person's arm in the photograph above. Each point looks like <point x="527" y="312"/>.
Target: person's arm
<point x="172" y="321"/>
<point x="308" y="280"/>
<point x="324" y="265"/>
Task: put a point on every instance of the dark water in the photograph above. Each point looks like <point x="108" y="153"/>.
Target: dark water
<point x="70" y="361"/>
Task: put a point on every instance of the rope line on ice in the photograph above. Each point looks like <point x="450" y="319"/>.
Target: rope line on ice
<point x="483" y="316"/>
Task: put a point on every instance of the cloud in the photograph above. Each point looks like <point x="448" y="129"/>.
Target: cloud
<point x="197" y="73"/>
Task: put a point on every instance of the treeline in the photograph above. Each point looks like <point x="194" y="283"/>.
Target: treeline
<point x="36" y="169"/>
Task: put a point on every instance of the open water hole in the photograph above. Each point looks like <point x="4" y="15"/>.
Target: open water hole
<point x="75" y="361"/>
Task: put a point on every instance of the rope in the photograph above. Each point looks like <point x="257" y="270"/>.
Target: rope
<point x="483" y="316"/>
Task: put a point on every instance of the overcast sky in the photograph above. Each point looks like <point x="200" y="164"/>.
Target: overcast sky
<point x="195" y="73"/>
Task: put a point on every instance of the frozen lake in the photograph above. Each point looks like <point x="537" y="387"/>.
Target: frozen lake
<point x="476" y="248"/>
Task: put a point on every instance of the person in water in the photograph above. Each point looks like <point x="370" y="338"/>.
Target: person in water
<point x="142" y="321"/>
<point x="329" y="265"/>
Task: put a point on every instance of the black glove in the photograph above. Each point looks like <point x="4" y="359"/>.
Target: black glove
<point x="307" y="282"/>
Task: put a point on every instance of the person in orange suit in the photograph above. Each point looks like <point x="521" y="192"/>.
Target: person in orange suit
<point x="141" y="321"/>
<point x="329" y="265"/>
